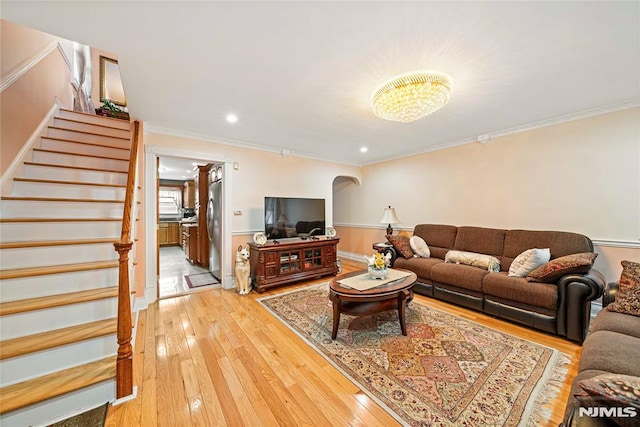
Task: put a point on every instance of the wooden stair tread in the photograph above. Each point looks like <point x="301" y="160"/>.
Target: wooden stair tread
<point x="88" y="133"/>
<point x="38" y="389"/>
<point x="40" y="303"/>
<point x="71" y="153"/>
<point x="59" y="199"/>
<point x="91" y="124"/>
<point x="56" y="338"/>
<point x="55" y="269"/>
<point x="119" y="121"/>
<point x="54" y="181"/>
<point x="95" y="144"/>
<point x="2" y="220"/>
<point x="53" y="165"/>
<point x="41" y="243"/>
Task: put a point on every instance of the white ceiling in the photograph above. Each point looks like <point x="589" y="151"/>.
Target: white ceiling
<point x="299" y="74"/>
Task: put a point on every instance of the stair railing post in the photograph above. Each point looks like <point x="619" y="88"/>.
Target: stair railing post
<point x="124" y="363"/>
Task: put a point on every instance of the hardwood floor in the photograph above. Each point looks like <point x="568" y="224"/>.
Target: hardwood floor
<point x="215" y="358"/>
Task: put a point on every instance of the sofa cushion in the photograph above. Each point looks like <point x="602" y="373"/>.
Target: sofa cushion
<point x="552" y="271"/>
<point x="611" y="352"/>
<point x="419" y="246"/>
<point x="518" y="289"/>
<point x="440" y="238"/>
<point x="528" y="261"/>
<point x="401" y="243"/>
<point x="628" y="296"/>
<point x="461" y="276"/>
<point x="480" y="240"/>
<point x="421" y="266"/>
<point x="560" y="243"/>
<point x="486" y="262"/>
<point x="616" y="322"/>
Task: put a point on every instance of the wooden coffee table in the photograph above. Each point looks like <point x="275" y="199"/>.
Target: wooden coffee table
<point x="393" y="296"/>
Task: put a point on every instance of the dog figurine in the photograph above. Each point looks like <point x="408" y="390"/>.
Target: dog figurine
<point x="243" y="284"/>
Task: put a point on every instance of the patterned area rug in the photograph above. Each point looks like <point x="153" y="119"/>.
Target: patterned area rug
<point x="447" y="371"/>
<point x="200" y="279"/>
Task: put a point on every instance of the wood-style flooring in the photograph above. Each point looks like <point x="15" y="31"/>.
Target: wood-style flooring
<point x="214" y="358"/>
<point x="173" y="267"/>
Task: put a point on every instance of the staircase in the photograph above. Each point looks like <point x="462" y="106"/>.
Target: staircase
<point x="59" y="271"/>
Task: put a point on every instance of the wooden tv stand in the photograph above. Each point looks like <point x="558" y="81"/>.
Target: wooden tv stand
<point x="275" y="264"/>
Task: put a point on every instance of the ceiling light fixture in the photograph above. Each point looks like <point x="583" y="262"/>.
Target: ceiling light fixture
<point x="232" y="118"/>
<point x="411" y="96"/>
<point x="363" y="149"/>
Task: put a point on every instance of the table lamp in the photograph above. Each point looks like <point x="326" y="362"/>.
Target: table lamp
<point x="389" y="217"/>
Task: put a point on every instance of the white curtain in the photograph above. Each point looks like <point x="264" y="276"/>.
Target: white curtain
<point x="82" y="81"/>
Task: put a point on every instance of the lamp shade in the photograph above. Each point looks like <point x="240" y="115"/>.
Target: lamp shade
<point x="390" y="216"/>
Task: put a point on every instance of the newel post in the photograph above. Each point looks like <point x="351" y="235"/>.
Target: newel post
<point x="124" y="363"/>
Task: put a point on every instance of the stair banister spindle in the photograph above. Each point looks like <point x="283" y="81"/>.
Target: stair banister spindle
<point x="124" y="364"/>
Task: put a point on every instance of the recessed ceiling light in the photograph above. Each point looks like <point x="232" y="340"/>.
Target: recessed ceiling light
<point x="232" y="118"/>
<point x="183" y="176"/>
<point x="363" y="149"/>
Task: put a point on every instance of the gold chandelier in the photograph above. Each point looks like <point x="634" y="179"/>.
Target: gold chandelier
<point x="411" y="96"/>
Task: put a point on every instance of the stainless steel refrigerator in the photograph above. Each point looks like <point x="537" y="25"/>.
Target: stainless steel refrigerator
<point x="214" y="222"/>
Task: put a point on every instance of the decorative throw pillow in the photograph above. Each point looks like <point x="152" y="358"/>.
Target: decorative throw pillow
<point x="556" y="268"/>
<point x="419" y="246"/>
<point x="487" y="262"/>
<point x="614" y="389"/>
<point x="528" y="261"/>
<point x="628" y="296"/>
<point x="401" y="243"/>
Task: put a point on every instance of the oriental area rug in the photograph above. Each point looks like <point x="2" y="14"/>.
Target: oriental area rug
<point x="447" y="371"/>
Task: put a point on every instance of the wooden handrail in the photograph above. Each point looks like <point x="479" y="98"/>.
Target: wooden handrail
<point x="124" y="361"/>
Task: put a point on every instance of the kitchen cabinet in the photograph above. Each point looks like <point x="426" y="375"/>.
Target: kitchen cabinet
<point x="189" y="195"/>
<point x="168" y="233"/>
<point x="190" y="242"/>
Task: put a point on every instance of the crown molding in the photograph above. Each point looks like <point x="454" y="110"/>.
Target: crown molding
<point x="285" y="152"/>
<point x="486" y="138"/>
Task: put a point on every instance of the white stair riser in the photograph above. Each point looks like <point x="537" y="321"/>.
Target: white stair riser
<point x="88" y="137"/>
<point x="95" y="150"/>
<point x="34" y="209"/>
<point x="29" y="323"/>
<point x="55" y="284"/>
<point x="65" y="174"/>
<point x="22" y="368"/>
<point x="45" y="189"/>
<point x="55" y="255"/>
<point x="59" y="408"/>
<point x="19" y="231"/>
<point x="101" y="120"/>
<point x="82" y="161"/>
<point x="91" y="128"/>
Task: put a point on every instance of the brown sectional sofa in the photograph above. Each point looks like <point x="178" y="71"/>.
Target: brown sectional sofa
<point x="561" y="308"/>
<point x="612" y="347"/>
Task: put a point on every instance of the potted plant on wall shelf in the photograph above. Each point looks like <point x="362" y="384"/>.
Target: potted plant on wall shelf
<point x="109" y="109"/>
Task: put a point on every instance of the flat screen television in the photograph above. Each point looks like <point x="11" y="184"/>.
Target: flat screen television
<point x="293" y="217"/>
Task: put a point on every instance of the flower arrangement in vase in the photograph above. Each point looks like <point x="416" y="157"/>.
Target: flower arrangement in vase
<point x="378" y="265"/>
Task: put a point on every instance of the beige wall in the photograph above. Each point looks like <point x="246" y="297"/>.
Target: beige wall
<point x="579" y="176"/>
<point x="27" y="100"/>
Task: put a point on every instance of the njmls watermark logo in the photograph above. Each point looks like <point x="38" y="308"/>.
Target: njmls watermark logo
<point x="608" y="412"/>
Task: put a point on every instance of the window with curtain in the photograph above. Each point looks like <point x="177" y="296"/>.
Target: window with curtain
<point x="170" y="200"/>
